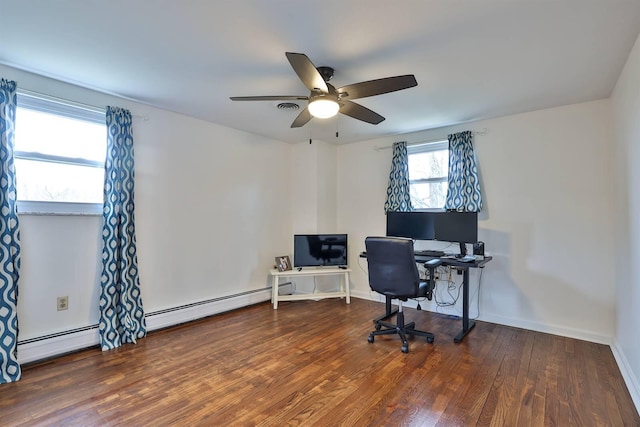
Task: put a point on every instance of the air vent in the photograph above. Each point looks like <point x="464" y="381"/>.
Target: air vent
<point x="289" y="106"/>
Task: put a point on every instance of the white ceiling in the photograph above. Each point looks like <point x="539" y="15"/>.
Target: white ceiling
<point x="473" y="59"/>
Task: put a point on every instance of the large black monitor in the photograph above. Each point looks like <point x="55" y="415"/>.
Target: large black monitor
<point x="450" y="226"/>
<point x="460" y="227"/>
<point x="415" y="225"/>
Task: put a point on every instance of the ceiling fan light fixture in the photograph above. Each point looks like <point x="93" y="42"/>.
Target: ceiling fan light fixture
<point x="323" y="108"/>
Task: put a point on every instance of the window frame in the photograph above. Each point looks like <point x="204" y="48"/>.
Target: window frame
<point x="69" y="109"/>
<point x="438" y="145"/>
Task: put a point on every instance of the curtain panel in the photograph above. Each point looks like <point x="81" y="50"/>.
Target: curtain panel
<point x="9" y="238"/>
<point x="121" y="312"/>
<point x="463" y="193"/>
<point x="398" y="194"/>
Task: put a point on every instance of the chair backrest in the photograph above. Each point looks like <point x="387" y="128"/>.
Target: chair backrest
<point x="392" y="266"/>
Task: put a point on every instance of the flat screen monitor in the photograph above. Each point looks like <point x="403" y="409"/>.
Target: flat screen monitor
<point x="319" y="250"/>
<point x="414" y="225"/>
<point x="461" y="227"/>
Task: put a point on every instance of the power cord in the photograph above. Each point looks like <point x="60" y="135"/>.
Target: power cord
<point x="450" y="289"/>
<point x="365" y="271"/>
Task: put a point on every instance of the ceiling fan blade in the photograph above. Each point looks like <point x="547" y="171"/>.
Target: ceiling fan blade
<point x="377" y="87"/>
<point x="302" y="118"/>
<point x="269" y="98"/>
<point x="307" y="72"/>
<point x="359" y="112"/>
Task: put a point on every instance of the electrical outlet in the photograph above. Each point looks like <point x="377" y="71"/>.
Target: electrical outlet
<point x="63" y="303"/>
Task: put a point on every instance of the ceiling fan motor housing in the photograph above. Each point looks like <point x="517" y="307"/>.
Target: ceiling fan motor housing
<point x="331" y="95"/>
<point x="326" y="72"/>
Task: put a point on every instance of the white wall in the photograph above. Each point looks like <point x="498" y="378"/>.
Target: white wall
<point x="547" y="179"/>
<point x="314" y="183"/>
<point x="212" y="209"/>
<point x="313" y="201"/>
<point x="212" y="212"/>
<point x="626" y="109"/>
<point x="60" y="256"/>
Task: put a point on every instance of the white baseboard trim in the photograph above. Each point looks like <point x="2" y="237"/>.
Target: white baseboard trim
<point x="633" y="385"/>
<point x="65" y="342"/>
<point x="506" y="321"/>
<point x="368" y="295"/>
<point x="562" y="331"/>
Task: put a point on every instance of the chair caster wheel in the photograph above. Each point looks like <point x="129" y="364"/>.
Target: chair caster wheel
<point x="370" y="339"/>
<point x="378" y="326"/>
<point x="405" y="348"/>
<point x="430" y="340"/>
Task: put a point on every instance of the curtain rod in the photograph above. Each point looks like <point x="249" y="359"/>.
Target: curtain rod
<point x="482" y="131"/>
<point x="69" y="102"/>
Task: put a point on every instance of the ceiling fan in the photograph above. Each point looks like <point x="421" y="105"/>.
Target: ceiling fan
<point x="325" y="100"/>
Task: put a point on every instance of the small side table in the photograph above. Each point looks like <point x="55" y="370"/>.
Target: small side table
<point x="343" y="292"/>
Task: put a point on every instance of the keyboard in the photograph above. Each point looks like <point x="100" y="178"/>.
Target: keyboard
<point x="432" y="253"/>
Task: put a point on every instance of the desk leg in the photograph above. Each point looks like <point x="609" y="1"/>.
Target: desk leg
<point x="467" y="324"/>
<point x="274" y="292"/>
<point x="388" y="311"/>
<point x="346" y="287"/>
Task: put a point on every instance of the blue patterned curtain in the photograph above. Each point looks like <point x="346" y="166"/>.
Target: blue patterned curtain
<point x="9" y="238"/>
<point x="121" y="313"/>
<point x="463" y="193"/>
<point x="398" y="198"/>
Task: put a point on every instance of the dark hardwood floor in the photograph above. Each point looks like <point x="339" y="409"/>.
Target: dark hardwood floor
<point x="309" y="363"/>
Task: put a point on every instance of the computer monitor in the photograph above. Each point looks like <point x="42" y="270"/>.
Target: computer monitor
<point x="415" y="225"/>
<point x="460" y="227"/>
<point x="449" y="226"/>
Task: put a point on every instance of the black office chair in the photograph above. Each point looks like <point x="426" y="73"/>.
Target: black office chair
<point x="393" y="273"/>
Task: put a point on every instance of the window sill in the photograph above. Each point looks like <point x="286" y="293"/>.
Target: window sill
<point x="59" y="208"/>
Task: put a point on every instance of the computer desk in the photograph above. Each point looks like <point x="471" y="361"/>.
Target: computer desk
<point x="467" y="324"/>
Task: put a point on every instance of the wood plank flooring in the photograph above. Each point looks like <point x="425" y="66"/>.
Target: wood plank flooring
<point x="309" y="364"/>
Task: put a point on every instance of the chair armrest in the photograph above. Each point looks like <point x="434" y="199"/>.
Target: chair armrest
<point x="433" y="263"/>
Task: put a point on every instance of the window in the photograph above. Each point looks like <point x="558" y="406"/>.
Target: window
<point x="428" y="174"/>
<point x="60" y="150"/>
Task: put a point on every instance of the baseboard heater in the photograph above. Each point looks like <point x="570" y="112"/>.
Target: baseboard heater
<point x="59" y="343"/>
<point x="195" y="304"/>
<point x="57" y="334"/>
